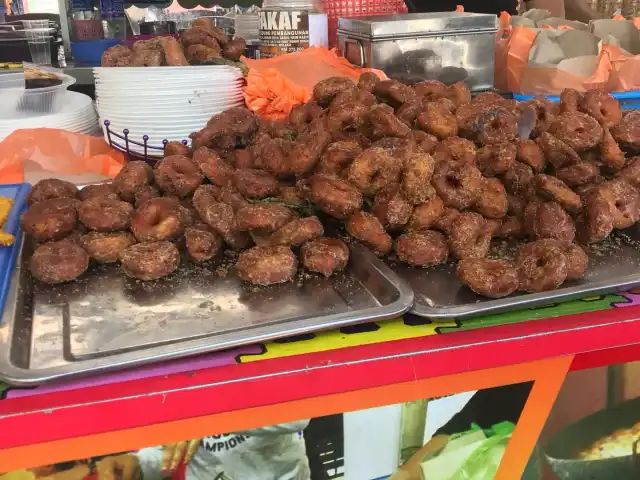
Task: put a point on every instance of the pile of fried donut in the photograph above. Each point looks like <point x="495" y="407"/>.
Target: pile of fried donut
<point x="425" y="173"/>
<point x="202" y="44"/>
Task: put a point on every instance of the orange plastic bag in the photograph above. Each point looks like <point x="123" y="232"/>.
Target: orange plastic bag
<point x="276" y="85"/>
<point x="57" y="152"/>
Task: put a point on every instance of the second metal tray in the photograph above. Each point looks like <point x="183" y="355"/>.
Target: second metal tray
<point x="106" y="321"/>
<point x="613" y="266"/>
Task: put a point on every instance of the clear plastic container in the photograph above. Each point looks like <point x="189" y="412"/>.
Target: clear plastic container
<point x="14" y="97"/>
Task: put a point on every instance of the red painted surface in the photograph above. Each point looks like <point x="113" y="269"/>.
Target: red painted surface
<point x="160" y="399"/>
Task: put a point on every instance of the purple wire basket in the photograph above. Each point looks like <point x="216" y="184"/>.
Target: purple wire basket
<point x="123" y="143"/>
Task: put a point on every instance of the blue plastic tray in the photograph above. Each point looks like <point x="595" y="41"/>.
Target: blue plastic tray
<point x="18" y="193"/>
<point x="628" y="100"/>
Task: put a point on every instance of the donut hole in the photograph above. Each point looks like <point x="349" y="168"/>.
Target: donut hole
<point x="580" y="130"/>
<point x="453" y="181"/>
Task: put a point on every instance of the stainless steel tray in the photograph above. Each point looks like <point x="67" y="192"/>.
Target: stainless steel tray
<point x="107" y="321"/>
<point x="613" y="266"/>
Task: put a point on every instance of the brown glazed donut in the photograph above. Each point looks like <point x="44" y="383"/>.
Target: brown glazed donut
<point x="551" y="221"/>
<point x="157" y="220"/>
<point x="297" y="232"/>
<point x="50" y="219"/>
<point x="392" y="208"/>
<point x="150" y="261"/>
<point x="579" y="174"/>
<point x="625" y="200"/>
<point x="324" y="255"/>
<point x="487" y="277"/>
<point x="596" y="223"/>
<point x="368" y="229"/>
<point x="133" y="176"/>
<point x="334" y="196"/>
<point x="425" y="216"/>
<point x="577" y="261"/>
<point x="469" y="236"/>
<point x="456" y="150"/>
<point x="416" y="178"/>
<point x="100" y="190"/>
<point x="422" y="249"/>
<point x="457" y="186"/>
<point x="214" y="168"/>
<point x="145" y="193"/>
<point x="517" y="180"/>
<point x="267" y="265"/>
<point x="105" y="215"/>
<point x="556" y="190"/>
<point x="106" y="247"/>
<point x="529" y="153"/>
<point x="497" y="159"/>
<point x="51" y="188"/>
<point x="631" y="172"/>
<point x="601" y="106"/>
<point x="497" y="126"/>
<point x="492" y="200"/>
<point x="178" y="175"/>
<point x="368" y="81"/>
<point x="373" y="170"/>
<point x="542" y="266"/>
<point x="325" y="90"/>
<point x="254" y="183"/>
<point x="58" y="262"/>
<point x="202" y="243"/>
<point x="266" y="217"/>
<point x="445" y="221"/>
<point x="577" y="130"/>
<point x="176" y="148"/>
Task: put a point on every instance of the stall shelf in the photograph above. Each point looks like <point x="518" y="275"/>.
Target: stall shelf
<point x="137" y="408"/>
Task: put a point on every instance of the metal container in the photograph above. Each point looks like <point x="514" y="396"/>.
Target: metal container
<point x="449" y="47"/>
<point x="613" y="267"/>
<point x="107" y="321"/>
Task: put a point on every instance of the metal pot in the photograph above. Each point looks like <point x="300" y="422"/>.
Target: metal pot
<point x="562" y="450"/>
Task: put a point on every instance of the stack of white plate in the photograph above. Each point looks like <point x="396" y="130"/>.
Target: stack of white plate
<point x="164" y="103"/>
<point x="77" y="115"/>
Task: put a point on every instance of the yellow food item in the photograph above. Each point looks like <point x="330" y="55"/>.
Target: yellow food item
<point x="618" y="444"/>
<point x="6" y="239"/>
<point x="5" y="208"/>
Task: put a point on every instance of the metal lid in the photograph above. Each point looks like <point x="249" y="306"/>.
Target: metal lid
<point x="418" y="23"/>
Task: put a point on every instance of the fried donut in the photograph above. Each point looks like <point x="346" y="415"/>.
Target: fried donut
<point x="416" y="178"/>
<point x="487" y="277"/>
<point x="334" y="196"/>
<point x="178" y="175"/>
<point x="518" y="181"/>
<point x="425" y="216"/>
<point x="338" y="156"/>
<point x="546" y="113"/>
<point x="612" y="154"/>
<point x="631" y="172"/>
<point x="422" y="249"/>
<point x="558" y="153"/>
<point x="393" y="92"/>
<point x="150" y="261"/>
<point x="456" y="150"/>
<point x="368" y="81"/>
<point x="601" y="106"/>
<point x="445" y="221"/>
<point x="106" y="247"/>
<point x="145" y="193"/>
<point x="577" y="130"/>
<point x="383" y="123"/>
<point x="627" y="132"/>
<point x="51" y="188"/>
<point x="625" y="200"/>
<point x="431" y="90"/>
<point x="297" y="231"/>
<point x="368" y="229"/>
<point x="304" y="113"/>
<point x="457" y="186"/>
<point x="324" y="255"/>
<point x="570" y="100"/>
<point x="267" y="265"/>
<point x="58" y="262"/>
<point x="213" y="167"/>
<point x="325" y="90"/>
<point x="105" y="215"/>
<point x="577" y="261"/>
<point x="551" y="221"/>
<point x="392" y="208"/>
<point x="409" y="112"/>
<point x="306" y="152"/>
<point x="265" y="217"/>
<point x="496" y="127"/>
<point x="542" y="266"/>
<point x="176" y="148"/>
<point x="556" y="190"/>
<point x="221" y="217"/>
<point x="529" y="153"/>
<point x="202" y="243"/>
<point x="459" y="94"/>
<point x="106" y="190"/>
<point x="373" y="170"/>
<point x="425" y="141"/>
<point x="469" y="236"/>
<point x="399" y="148"/>
<point x="492" y="199"/>
<point x="133" y="176"/>
<point x="157" y="220"/>
<point x="347" y="116"/>
<point x="438" y="121"/>
<point x="254" y="183"/>
<point x="579" y="174"/>
<point x="596" y="223"/>
<point x="511" y="227"/>
<point x="497" y="159"/>
<point x="51" y="219"/>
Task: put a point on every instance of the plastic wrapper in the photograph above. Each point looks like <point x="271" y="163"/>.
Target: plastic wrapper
<point x="276" y="85"/>
<point x="484" y="461"/>
<point x="33" y="154"/>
